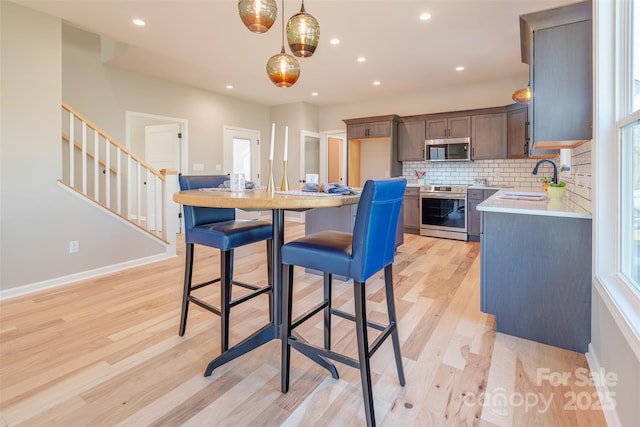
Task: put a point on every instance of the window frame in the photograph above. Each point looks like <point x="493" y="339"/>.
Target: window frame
<point x="612" y="111"/>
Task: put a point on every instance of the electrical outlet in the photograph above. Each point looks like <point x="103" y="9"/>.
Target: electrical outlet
<point x="74" y="246"/>
<point x="198" y="167"/>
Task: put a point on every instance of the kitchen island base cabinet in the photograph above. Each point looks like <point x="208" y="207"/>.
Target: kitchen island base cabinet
<point x="536" y="277"/>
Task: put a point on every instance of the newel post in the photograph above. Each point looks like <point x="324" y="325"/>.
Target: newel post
<point x="170" y="208"/>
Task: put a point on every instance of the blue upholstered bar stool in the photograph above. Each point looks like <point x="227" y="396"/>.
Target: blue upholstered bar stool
<point x="219" y="228"/>
<point x="358" y="256"/>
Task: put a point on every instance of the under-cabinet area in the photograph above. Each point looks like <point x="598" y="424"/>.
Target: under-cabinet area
<point x="372" y="149"/>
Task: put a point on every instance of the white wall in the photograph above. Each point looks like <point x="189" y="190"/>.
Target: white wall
<point x="39" y="218"/>
<point x="299" y="116"/>
<point x="104" y="94"/>
<point x="451" y="98"/>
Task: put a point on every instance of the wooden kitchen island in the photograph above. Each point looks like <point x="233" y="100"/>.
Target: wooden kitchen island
<point x="535" y="259"/>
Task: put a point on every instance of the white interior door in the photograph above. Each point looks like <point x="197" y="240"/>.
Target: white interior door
<point x="310" y="154"/>
<point x="162" y="151"/>
<point x="241" y="154"/>
<point x="335" y="159"/>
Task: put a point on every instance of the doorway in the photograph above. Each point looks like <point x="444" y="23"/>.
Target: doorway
<point x="335" y="160"/>
<point x="161" y="151"/>
<point x="310" y="156"/>
<point x="171" y="152"/>
<point x="241" y="154"/>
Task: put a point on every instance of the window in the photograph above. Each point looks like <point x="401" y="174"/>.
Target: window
<point x="628" y="131"/>
<point x="630" y="202"/>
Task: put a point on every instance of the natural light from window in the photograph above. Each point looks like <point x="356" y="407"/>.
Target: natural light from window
<point x="629" y="134"/>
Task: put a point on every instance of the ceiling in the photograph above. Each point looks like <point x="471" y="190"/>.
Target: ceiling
<point x="204" y="44"/>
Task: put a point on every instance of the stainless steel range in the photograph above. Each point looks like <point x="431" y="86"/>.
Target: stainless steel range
<point x="443" y="211"/>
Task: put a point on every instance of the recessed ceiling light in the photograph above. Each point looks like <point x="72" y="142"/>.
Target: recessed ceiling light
<point x="229" y="86"/>
<point x="376" y="83"/>
<point x="314" y="93"/>
<point x="334" y="41"/>
<point x="139" y="22"/>
<point x="425" y="16"/>
<point x="459" y="68"/>
<point x="361" y="59"/>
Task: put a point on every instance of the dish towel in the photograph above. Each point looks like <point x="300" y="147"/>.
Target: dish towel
<point x="248" y="185"/>
<point x="310" y="187"/>
<point x="339" y="189"/>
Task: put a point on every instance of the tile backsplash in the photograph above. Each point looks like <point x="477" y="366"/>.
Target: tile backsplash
<point x="510" y="173"/>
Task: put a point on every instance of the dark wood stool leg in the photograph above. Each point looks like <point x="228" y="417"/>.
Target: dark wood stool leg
<point x="363" y="350"/>
<point x="287" y="299"/>
<point x="188" y="270"/>
<point x="226" y="276"/>
<point x="391" y="309"/>
<point x="270" y="276"/>
<point x="327" y="310"/>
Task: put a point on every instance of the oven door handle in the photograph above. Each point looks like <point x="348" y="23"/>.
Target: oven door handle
<point x="442" y="196"/>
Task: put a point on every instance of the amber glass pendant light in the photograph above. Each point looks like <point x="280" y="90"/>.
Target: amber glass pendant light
<point x="283" y="69"/>
<point x="522" y="96"/>
<point x="258" y="15"/>
<point x="303" y="33"/>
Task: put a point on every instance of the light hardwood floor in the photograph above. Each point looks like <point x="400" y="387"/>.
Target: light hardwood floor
<point x="106" y="352"/>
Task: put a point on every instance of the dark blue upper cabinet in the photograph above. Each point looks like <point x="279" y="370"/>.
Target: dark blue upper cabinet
<point x="557" y="45"/>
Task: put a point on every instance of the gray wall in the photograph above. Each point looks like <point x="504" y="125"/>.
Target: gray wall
<point x="103" y="94"/>
<point x="615" y="356"/>
<point x="38" y="217"/>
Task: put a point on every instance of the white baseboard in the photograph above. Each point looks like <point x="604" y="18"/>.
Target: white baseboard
<point x="610" y="414"/>
<point x="76" y="277"/>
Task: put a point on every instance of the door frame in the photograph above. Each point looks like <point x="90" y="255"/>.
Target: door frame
<point x="228" y="133"/>
<point x="183" y="124"/>
<point x="155" y="119"/>
<point x="227" y="159"/>
<point x="151" y="204"/>
<point x="324" y="147"/>
<point x="322" y="152"/>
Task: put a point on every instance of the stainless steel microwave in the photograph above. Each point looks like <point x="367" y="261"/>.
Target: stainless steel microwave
<point x="447" y="150"/>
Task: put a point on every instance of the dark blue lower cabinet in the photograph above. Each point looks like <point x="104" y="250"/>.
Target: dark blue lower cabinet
<point x="536" y="277"/>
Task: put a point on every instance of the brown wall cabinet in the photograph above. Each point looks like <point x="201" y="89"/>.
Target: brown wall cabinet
<point x="411" y="136"/>
<point x="448" y="127"/>
<point x="489" y="136"/>
<point x="368" y="128"/>
<point x="517" y="134"/>
<point x="557" y="45"/>
<point x="380" y="129"/>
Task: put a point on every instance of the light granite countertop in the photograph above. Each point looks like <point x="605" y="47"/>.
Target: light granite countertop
<point x="547" y="207"/>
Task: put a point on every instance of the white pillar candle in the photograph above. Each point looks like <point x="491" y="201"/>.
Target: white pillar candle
<point x="273" y="135"/>
<point x="286" y="142"/>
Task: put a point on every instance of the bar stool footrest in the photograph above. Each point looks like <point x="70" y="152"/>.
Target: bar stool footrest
<point x="316" y="353"/>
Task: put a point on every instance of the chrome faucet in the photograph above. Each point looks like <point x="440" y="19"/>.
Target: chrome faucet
<point x="555" y="169"/>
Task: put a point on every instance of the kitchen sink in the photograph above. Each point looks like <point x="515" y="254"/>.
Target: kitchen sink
<point x="524" y="195"/>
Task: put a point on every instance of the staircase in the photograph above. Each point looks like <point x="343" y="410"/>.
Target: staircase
<point x="106" y="173"/>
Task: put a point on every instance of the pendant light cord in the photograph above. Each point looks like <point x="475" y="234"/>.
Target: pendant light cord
<point x="282" y="17"/>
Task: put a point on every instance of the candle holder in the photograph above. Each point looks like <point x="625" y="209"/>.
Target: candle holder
<point x="285" y="182"/>
<point x="270" y="186"/>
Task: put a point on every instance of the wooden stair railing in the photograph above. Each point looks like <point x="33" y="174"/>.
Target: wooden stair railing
<point x="132" y="189"/>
